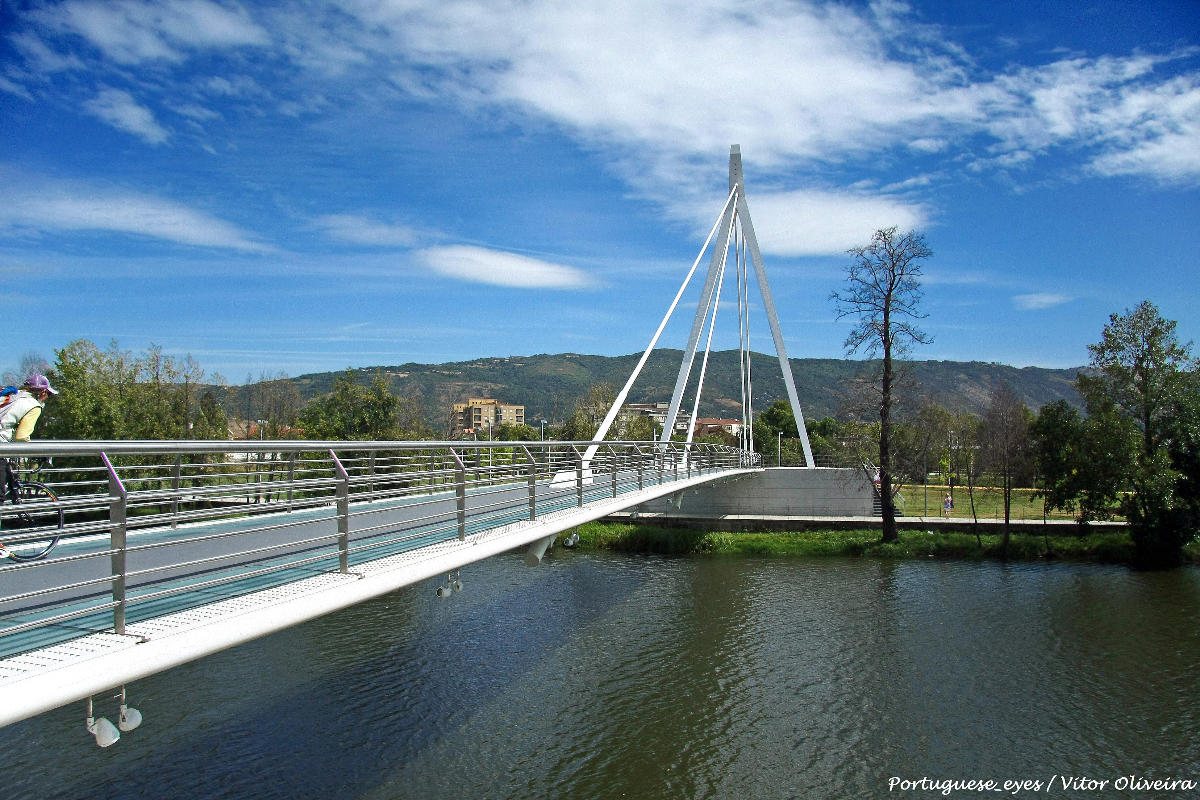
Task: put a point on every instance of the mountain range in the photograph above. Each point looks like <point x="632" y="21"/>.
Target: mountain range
<point x="549" y="385"/>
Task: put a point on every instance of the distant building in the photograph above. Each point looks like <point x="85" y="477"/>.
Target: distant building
<point x="658" y="413"/>
<point x="480" y="415"/>
<point x="706" y="426"/>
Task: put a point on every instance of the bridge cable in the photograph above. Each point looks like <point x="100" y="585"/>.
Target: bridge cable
<point x="714" y="306"/>
<point x="624" y="393"/>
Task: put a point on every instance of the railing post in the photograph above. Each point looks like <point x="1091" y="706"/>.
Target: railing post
<point x="532" y="482"/>
<point x="641" y="466"/>
<point x="118" y="501"/>
<point x="371" y="472"/>
<point x="460" y="494"/>
<point x="343" y="512"/>
<point x="291" y="479"/>
<point x="176" y="485"/>
<point x="613" y="469"/>
<point x="578" y="475"/>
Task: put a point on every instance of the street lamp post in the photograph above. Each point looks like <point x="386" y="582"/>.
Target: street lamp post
<point x="779" y="449"/>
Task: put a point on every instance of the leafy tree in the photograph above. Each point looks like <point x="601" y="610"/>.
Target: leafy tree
<point x="1056" y="437"/>
<point x="1143" y="390"/>
<point x="639" y="428"/>
<point x="589" y="412"/>
<point x="884" y="294"/>
<point x="113" y="394"/>
<point x="507" y="432"/>
<point x="352" y="411"/>
<point x="211" y="422"/>
<point x="1005" y="447"/>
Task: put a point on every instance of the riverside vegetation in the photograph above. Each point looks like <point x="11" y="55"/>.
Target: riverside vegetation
<point x="1100" y="545"/>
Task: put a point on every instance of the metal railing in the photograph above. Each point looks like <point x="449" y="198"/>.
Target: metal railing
<point x="149" y="528"/>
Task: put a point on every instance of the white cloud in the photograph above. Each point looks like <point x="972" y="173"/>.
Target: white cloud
<point x="1039" y="301"/>
<point x="135" y="31"/>
<point x="809" y="223"/>
<point x="118" y="108"/>
<point x="668" y="86"/>
<point x="366" y="231"/>
<point x="13" y="88"/>
<point x="55" y="208"/>
<point x="479" y="265"/>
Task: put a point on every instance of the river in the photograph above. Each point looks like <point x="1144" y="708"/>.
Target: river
<point x="609" y="676"/>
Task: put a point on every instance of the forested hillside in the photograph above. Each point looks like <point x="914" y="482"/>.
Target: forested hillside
<point x="549" y="385"/>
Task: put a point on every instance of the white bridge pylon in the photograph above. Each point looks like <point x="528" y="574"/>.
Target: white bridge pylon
<point x="733" y="228"/>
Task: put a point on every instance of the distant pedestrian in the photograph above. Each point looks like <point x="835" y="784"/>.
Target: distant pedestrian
<point x="947" y="505"/>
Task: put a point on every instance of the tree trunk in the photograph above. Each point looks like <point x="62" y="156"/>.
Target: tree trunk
<point x="1006" y="487"/>
<point x="888" y="508"/>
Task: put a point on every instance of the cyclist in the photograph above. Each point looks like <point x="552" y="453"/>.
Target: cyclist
<point x="20" y="414"/>
<point x="17" y="420"/>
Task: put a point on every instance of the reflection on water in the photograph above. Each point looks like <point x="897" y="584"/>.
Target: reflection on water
<point x="597" y="676"/>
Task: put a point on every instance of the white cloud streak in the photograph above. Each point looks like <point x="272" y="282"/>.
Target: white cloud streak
<point x="366" y="231"/>
<point x="1039" y="301"/>
<point x="117" y="107"/>
<point x="137" y="31"/>
<point x="480" y="265"/>
<point x="50" y="208"/>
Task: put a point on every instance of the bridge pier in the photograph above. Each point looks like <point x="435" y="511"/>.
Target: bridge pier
<point x="533" y="556"/>
<point x="774" y="492"/>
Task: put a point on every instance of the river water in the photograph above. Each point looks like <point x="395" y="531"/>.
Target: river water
<point x="607" y="676"/>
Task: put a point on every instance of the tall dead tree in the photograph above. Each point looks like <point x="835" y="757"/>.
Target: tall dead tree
<point x="883" y="294"/>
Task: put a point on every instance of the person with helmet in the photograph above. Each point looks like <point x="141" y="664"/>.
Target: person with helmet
<point x="21" y="413"/>
<point x="17" y="418"/>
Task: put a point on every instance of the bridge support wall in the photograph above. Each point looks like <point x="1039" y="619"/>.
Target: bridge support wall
<point x="777" y="492"/>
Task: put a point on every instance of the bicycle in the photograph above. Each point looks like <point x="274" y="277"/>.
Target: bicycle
<point x="40" y="519"/>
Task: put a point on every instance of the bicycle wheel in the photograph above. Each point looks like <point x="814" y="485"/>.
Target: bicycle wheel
<point x="40" y="525"/>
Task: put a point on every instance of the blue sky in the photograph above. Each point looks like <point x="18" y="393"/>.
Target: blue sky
<point x="301" y="186"/>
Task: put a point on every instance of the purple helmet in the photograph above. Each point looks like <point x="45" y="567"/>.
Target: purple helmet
<point x="38" y="382"/>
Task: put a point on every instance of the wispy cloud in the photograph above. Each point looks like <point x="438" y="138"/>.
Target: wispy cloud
<point x="118" y="108"/>
<point x="51" y="207"/>
<point x="365" y="230"/>
<point x="479" y="265"/>
<point x="136" y="31"/>
<point x="1040" y="301"/>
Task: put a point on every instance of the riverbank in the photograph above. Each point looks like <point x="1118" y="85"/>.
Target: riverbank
<point x="1111" y="545"/>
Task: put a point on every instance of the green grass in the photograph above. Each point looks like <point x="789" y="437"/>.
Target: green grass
<point x="914" y="501"/>
<point x="1097" y="546"/>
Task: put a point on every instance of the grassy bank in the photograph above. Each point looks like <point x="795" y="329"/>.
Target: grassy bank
<point x="1114" y="547"/>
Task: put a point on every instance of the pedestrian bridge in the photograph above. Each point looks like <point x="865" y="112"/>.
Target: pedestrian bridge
<point x="170" y="551"/>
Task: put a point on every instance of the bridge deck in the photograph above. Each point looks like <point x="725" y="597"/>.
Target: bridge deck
<point x="190" y="589"/>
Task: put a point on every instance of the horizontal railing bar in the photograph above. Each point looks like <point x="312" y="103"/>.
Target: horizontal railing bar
<point x="46" y="622"/>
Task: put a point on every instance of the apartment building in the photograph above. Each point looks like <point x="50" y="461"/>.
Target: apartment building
<point x="480" y="415"/>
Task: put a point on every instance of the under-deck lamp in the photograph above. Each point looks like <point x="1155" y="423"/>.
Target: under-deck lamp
<point x="105" y="732"/>
<point x="130" y="718"/>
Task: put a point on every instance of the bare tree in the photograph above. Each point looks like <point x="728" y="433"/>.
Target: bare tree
<point x="1005" y="445"/>
<point x="883" y="294"/>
